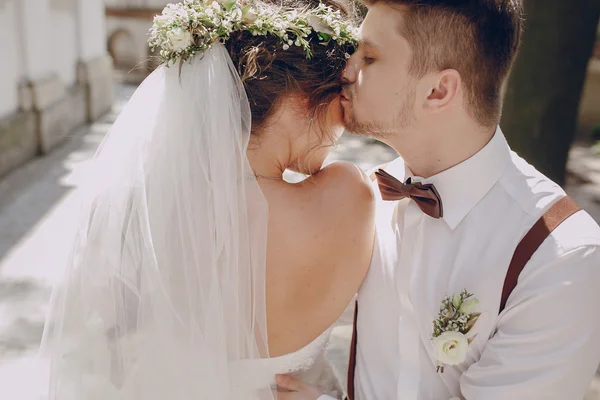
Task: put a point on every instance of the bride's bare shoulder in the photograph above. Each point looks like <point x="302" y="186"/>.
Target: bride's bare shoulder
<point x="346" y="191"/>
<point x="347" y="221"/>
<point x="338" y="196"/>
<point x="345" y="176"/>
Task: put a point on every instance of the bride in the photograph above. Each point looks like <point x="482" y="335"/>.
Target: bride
<point x="198" y="272"/>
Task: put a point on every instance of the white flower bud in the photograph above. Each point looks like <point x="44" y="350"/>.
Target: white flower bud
<point x="468" y="306"/>
<point x="456" y="301"/>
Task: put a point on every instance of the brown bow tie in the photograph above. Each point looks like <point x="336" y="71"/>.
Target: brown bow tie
<point x="425" y="195"/>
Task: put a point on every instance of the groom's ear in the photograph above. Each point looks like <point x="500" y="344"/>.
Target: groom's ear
<point x="443" y="90"/>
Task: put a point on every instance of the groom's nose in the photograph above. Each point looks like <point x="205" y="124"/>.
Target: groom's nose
<point x="351" y="69"/>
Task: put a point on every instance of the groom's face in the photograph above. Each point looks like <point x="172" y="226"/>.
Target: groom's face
<point x="379" y="94"/>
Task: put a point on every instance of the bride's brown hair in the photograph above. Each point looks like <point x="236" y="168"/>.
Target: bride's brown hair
<point x="269" y="72"/>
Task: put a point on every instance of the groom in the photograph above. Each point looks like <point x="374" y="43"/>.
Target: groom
<point x="467" y="296"/>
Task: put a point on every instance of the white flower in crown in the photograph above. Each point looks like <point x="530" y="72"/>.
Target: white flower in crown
<point x="319" y="25"/>
<point x="451" y="329"/>
<point x="249" y="15"/>
<point x="180" y="39"/>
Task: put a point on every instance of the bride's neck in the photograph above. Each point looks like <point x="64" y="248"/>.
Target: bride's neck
<point x="274" y="149"/>
<point x="269" y="153"/>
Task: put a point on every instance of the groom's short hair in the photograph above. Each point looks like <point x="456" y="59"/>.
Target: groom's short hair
<point x="478" y="38"/>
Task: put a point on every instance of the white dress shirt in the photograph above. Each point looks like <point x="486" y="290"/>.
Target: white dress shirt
<point x="544" y="345"/>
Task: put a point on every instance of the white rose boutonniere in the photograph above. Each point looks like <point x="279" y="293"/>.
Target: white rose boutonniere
<point x="450" y="348"/>
<point x="450" y="329"/>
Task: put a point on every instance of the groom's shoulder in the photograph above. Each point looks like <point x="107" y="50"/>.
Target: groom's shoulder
<point x="531" y="190"/>
<point x="534" y="193"/>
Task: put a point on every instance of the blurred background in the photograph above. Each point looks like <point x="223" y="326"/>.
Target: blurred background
<point x="67" y="67"/>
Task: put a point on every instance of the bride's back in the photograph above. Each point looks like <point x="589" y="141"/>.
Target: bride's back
<point x="320" y="231"/>
<point x="318" y="251"/>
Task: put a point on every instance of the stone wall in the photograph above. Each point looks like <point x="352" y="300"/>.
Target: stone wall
<point x="59" y="74"/>
<point x="18" y="140"/>
<point x="96" y="78"/>
<point x="127" y="36"/>
<point x="57" y="110"/>
<point x="12" y="65"/>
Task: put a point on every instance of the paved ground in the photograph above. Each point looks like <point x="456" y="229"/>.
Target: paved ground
<point x="36" y="225"/>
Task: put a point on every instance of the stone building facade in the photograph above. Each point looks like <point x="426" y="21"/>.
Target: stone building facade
<point x="128" y="23"/>
<point x="55" y="74"/>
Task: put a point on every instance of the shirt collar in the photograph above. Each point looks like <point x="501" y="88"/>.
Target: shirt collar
<point x="464" y="185"/>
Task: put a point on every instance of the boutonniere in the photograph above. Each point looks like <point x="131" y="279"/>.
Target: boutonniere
<point x="450" y="329"/>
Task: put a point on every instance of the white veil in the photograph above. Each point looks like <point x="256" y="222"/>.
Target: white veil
<point x="165" y="289"/>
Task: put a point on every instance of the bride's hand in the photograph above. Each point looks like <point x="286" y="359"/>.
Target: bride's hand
<point x="297" y="390"/>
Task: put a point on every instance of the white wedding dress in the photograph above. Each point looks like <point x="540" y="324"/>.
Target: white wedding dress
<point x="307" y="364"/>
<point x="164" y="296"/>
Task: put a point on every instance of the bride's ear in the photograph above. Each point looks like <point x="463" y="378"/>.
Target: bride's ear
<point x="443" y="89"/>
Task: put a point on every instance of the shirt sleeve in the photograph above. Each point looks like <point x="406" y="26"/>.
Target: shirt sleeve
<point x="547" y="342"/>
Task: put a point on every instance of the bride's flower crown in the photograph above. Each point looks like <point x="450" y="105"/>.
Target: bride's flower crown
<point x="192" y="26"/>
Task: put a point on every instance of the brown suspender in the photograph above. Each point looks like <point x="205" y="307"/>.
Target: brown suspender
<point x="352" y="363"/>
<point x="557" y="214"/>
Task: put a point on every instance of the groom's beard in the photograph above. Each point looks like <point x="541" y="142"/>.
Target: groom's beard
<point x="377" y="129"/>
<point x="373" y="128"/>
<point x="369" y="129"/>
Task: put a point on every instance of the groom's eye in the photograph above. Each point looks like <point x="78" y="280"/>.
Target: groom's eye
<point x="368" y="60"/>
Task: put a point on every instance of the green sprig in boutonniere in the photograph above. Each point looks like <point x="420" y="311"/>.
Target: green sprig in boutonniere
<point x="455" y="320"/>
